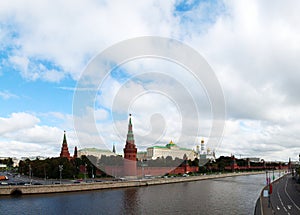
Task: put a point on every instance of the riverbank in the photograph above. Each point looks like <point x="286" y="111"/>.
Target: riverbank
<point x="61" y="188"/>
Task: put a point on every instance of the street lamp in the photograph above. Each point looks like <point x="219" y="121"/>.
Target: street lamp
<point x="85" y="172"/>
<point x="30" y="174"/>
<point x="60" y="170"/>
<point x="92" y="172"/>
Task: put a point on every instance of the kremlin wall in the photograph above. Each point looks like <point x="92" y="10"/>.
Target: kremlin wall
<point x="157" y="161"/>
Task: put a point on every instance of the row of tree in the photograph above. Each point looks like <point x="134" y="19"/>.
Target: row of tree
<point x="8" y="161"/>
<point x="49" y="168"/>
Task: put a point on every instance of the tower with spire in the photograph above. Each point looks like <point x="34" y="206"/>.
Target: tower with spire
<point x="114" y="149"/>
<point x="64" y="148"/>
<point x="130" y="152"/>
<point x="75" y="153"/>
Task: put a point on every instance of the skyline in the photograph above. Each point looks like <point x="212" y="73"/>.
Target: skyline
<point x="252" y="47"/>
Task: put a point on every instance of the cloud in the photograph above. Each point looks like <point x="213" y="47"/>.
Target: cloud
<point x="253" y="47"/>
<point x="17" y="121"/>
<point x="21" y="135"/>
<point x="7" y="95"/>
<point x="53" y="36"/>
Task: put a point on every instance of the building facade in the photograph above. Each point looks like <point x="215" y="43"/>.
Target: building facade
<point x="98" y="153"/>
<point x="172" y="150"/>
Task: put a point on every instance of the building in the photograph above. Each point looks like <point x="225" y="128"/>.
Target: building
<point x="3" y="166"/>
<point x="205" y="156"/>
<point x="130" y="153"/>
<point x="14" y="160"/>
<point x="98" y="153"/>
<point x="172" y="150"/>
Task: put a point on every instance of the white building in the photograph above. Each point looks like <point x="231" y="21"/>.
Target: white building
<point x="170" y="149"/>
<point x="14" y="159"/>
<point x="205" y="155"/>
<point x="95" y="152"/>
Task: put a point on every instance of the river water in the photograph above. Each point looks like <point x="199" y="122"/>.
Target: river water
<point x="231" y="195"/>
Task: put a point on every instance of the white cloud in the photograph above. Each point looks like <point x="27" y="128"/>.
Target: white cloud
<point x="21" y="135"/>
<point x="70" y="37"/>
<point x="252" y="46"/>
<point x="17" y="121"/>
<point x="7" y="95"/>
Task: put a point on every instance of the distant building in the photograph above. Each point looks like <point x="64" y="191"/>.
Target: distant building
<point x="3" y="165"/>
<point x="14" y="159"/>
<point x="205" y="156"/>
<point x="254" y="159"/>
<point x="95" y="152"/>
<point x="172" y="150"/>
<point x="141" y="156"/>
<point x="34" y="158"/>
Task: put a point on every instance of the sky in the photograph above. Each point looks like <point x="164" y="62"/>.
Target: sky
<point x="252" y="47"/>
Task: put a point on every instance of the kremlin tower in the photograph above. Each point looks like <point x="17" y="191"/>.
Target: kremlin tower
<point x="64" y="148"/>
<point x="130" y="152"/>
<point x="75" y="152"/>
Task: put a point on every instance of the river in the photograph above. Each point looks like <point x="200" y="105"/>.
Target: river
<point x="231" y="195"/>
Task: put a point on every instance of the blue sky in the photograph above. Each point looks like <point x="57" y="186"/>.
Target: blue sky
<point x="253" y="48"/>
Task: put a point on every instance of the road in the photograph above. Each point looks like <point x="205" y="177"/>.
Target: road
<point x="285" y="198"/>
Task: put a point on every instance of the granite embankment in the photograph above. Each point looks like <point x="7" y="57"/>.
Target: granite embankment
<point x="60" y="188"/>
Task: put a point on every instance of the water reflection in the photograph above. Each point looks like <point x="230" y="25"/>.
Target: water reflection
<point x="131" y="201"/>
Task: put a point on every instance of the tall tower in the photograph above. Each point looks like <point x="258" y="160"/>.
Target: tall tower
<point x="130" y="152"/>
<point x="64" y="148"/>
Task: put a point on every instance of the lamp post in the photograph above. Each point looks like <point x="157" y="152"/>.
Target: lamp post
<point x="60" y="170"/>
<point x="268" y="179"/>
<point x="92" y="172"/>
<point x="85" y="172"/>
<point x="30" y="174"/>
<point x="45" y="174"/>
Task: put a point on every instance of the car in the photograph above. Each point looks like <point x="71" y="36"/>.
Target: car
<point x="21" y="183"/>
<point x="37" y="183"/>
<point x="12" y="183"/>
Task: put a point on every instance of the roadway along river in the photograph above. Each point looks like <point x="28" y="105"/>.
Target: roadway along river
<point x="231" y="195"/>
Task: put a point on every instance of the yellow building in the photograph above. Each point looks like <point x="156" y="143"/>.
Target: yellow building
<point x="171" y="149"/>
<point x="95" y="152"/>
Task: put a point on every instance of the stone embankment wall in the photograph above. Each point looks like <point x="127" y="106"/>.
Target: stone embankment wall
<point x="59" y="188"/>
